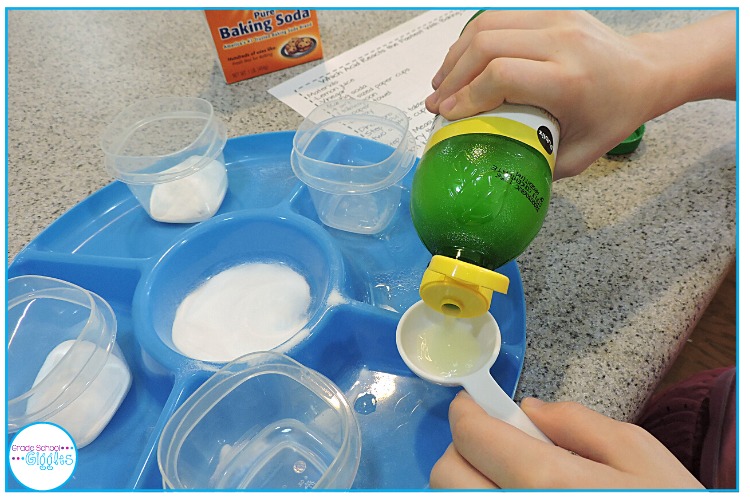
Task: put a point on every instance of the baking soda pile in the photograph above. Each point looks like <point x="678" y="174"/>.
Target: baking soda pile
<point x="190" y="199"/>
<point x="248" y="308"/>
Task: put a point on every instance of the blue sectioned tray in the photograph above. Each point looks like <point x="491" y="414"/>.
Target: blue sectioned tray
<point x="109" y="245"/>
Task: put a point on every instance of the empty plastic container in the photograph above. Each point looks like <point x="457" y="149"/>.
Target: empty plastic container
<point x="264" y="421"/>
<point x="64" y="366"/>
<point x="353" y="156"/>
<point x="169" y="151"/>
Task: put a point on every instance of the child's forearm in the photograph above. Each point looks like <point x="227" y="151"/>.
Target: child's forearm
<point x="693" y="63"/>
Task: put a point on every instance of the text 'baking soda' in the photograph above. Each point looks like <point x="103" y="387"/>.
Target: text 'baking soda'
<point x="250" y="43"/>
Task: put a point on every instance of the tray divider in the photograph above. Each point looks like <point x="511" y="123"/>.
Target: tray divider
<point x="147" y="467"/>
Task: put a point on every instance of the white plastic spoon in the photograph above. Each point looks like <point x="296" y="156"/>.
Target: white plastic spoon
<point x="459" y="352"/>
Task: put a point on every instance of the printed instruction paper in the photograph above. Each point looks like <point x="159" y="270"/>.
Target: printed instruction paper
<point x="395" y="68"/>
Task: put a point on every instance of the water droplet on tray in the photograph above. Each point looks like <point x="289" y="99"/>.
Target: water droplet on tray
<point x="365" y="403"/>
<point x="299" y="466"/>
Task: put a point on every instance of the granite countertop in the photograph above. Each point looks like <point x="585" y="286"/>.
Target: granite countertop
<point x="631" y="252"/>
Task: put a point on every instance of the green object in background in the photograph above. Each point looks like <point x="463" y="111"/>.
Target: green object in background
<point x="630" y="144"/>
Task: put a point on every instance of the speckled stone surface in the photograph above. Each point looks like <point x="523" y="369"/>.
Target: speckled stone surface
<point x="631" y="252"/>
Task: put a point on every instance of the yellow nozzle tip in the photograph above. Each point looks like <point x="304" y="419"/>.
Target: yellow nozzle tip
<point x="469" y="273"/>
<point x="460" y="289"/>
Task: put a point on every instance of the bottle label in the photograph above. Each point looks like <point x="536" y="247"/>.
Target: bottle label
<point x="533" y="126"/>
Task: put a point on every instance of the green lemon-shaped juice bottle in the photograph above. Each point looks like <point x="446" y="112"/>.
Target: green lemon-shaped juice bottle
<point x="479" y="197"/>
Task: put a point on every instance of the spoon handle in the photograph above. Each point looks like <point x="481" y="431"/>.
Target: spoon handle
<point x="487" y="393"/>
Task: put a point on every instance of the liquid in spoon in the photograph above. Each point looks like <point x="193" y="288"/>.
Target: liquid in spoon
<point x="449" y="348"/>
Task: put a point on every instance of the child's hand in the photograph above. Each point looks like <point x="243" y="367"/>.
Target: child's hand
<point x="609" y="454"/>
<point x="600" y="85"/>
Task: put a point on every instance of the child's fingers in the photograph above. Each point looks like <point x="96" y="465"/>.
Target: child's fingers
<point x="519" y="81"/>
<point x="485" y="47"/>
<point x="491" y="21"/>
<point x="452" y="471"/>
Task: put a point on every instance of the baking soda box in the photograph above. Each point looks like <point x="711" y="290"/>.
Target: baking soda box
<point x="250" y="43"/>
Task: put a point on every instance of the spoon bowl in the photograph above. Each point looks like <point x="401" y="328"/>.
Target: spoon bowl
<point x="446" y="350"/>
<point x="459" y="352"/>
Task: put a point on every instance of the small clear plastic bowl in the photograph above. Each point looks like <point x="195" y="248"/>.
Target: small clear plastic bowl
<point x="169" y="151"/>
<point x="64" y="366"/>
<point x="264" y="421"/>
<point x="353" y="156"/>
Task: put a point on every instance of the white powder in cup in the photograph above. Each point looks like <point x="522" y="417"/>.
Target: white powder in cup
<point x="89" y="413"/>
<point x="248" y="308"/>
<point x="190" y="199"/>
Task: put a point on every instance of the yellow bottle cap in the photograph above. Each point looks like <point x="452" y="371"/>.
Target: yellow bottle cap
<point x="460" y="289"/>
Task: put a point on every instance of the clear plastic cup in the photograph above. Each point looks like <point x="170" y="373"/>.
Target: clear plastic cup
<point x="264" y="421"/>
<point x="169" y="151"/>
<point x="353" y="156"/>
<point x="64" y="366"/>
